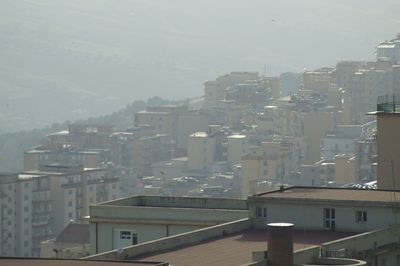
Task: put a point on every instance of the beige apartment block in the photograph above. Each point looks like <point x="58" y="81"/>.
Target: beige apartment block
<point x="318" y="80"/>
<point x="201" y="151"/>
<point x="269" y="161"/>
<point x="345" y="169"/>
<point x="388" y="149"/>
<point x="215" y="91"/>
<point x="237" y="146"/>
<point x="163" y="119"/>
<point x="315" y="125"/>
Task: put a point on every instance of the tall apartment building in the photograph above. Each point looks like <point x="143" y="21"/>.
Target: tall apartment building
<point x="201" y="150"/>
<point x="25" y="214"/>
<point x="237" y="146"/>
<point x="388" y="150"/>
<point x="163" y="119"/>
<point x="319" y="80"/>
<point x="341" y="140"/>
<point x="151" y="149"/>
<point x="74" y="188"/>
<point x="269" y="161"/>
<point x="8" y="230"/>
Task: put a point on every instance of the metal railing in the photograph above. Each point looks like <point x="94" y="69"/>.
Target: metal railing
<point x="389" y="103"/>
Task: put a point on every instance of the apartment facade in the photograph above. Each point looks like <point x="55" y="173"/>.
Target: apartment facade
<point x="26" y="210"/>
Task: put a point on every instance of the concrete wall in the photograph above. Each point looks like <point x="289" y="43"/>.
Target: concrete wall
<point x="180" y="240"/>
<point x="179" y="202"/>
<point x="310" y="216"/>
<point x="378" y="248"/>
<point x="155" y="217"/>
<point x="388" y="125"/>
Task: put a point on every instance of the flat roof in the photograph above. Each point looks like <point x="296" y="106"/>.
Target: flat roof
<point x="236" y="249"/>
<point x="8" y="261"/>
<point x="333" y="194"/>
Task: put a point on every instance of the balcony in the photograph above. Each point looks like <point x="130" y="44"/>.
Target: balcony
<point x="40" y="223"/>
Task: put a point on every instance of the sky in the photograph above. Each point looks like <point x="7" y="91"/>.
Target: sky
<point x="73" y="59"/>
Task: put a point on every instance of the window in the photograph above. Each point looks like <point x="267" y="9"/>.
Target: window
<point x="261" y="212"/>
<point x="329" y="218"/>
<point x="70" y="203"/>
<point x="361" y="217"/>
<point x="70" y="215"/>
<point x="70" y="192"/>
<point x="124" y="238"/>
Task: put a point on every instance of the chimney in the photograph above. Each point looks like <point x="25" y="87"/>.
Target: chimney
<point x="280" y="244"/>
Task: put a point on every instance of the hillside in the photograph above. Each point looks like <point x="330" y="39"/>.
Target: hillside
<point x="69" y="60"/>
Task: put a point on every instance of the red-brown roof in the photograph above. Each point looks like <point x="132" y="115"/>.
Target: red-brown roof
<point x="237" y="249"/>
<point x="63" y="262"/>
<point x="75" y="233"/>
<point x="334" y="194"/>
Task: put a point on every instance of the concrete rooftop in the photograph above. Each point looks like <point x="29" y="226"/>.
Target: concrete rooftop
<point x="237" y="249"/>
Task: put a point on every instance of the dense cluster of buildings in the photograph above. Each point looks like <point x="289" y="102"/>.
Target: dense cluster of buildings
<point x="244" y="140"/>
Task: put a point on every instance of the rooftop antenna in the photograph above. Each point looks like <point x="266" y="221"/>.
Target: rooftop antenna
<point x="265" y="70"/>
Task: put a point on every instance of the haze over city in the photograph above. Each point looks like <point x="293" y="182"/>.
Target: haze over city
<point x="154" y="132"/>
<point x="86" y="58"/>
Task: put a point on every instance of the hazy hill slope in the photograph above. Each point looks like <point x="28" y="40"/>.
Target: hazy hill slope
<point x="74" y="59"/>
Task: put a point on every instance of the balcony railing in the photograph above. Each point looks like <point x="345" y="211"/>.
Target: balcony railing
<point x="389" y="103"/>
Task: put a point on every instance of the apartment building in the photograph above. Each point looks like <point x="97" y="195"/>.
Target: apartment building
<point x="86" y="144"/>
<point x="64" y="154"/>
<point x="8" y="219"/>
<point x="215" y="91"/>
<point x="389" y="50"/>
<point x="388" y="125"/>
<point x="269" y="161"/>
<point x="25" y="214"/>
<point x="163" y="119"/>
<point x="237" y="146"/>
<point x="74" y="188"/>
<point x="318" y="80"/>
<point x="147" y="150"/>
<point x="201" y="150"/>
<point x="80" y="135"/>
<point x="341" y="140"/>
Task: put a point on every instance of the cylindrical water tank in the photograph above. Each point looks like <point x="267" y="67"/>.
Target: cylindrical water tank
<point x="280" y="244"/>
